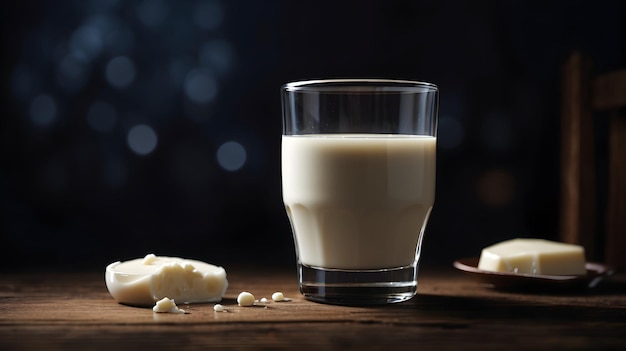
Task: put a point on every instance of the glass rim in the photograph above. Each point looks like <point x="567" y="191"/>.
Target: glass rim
<point x="323" y="84"/>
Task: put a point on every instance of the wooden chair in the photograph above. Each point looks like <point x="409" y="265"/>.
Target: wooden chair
<point x="599" y="227"/>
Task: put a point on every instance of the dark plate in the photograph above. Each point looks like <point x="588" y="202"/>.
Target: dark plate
<point x="595" y="273"/>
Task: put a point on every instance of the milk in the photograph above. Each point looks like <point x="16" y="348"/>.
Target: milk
<point x="358" y="201"/>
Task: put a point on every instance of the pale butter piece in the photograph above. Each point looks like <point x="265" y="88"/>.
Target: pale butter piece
<point x="278" y="296"/>
<point x="534" y="256"/>
<point x="146" y="280"/>
<point x="166" y="305"/>
<point x="245" y="299"/>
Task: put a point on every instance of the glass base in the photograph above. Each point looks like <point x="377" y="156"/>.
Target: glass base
<point x="358" y="287"/>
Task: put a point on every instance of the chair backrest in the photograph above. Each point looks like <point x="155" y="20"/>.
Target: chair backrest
<point x="600" y="228"/>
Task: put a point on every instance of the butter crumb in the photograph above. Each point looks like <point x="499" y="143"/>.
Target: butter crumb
<point x="149" y="259"/>
<point x="245" y="299"/>
<point x="278" y="296"/>
<point x="166" y="305"/>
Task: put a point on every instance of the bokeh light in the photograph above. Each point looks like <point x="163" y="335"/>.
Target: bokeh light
<point x="231" y="156"/>
<point x="496" y="188"/>
<point x="73" y="72"/>
<point x="43" y="110"/>
<point x="118" y="36"/>
<point x="208" y="15"/>
<point x="217" y="54"/>
<point x="152" y="13"/>
<point x="173" y="108"/>
<point x="142" y="139"/>
<point x="87" y="42"/>
<point x="179" y="68"/>
<point x="120" y="72"/>
<point x="200" y="86"/>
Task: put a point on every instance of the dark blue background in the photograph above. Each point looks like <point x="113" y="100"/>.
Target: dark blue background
<point x="78" y="76"/>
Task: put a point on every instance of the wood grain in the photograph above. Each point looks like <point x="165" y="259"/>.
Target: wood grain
<point x="75" y="311"/>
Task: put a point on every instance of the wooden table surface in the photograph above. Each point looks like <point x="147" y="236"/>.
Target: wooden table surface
<point x="73" y="311"/>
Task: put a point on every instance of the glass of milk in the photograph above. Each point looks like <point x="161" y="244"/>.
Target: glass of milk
<point x="358" y="183"/>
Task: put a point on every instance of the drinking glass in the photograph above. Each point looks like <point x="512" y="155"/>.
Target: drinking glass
<point x="358" y="184"/>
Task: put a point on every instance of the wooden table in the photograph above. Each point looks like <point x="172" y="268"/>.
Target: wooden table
<point x="73" y="311"/>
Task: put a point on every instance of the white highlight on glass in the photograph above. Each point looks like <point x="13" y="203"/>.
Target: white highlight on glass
<point x="200" y="86"/>
<point x="120" y="72"/>
<point x="101" y="116"/>
<point x="231" y="156"/>
<point x="179" y="67"/>
<point x="142" y="139"/>
<point x="43" y="110"/>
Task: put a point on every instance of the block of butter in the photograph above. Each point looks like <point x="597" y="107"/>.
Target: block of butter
<point x="533" y="256"/>
<point x="144" y="281"/>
